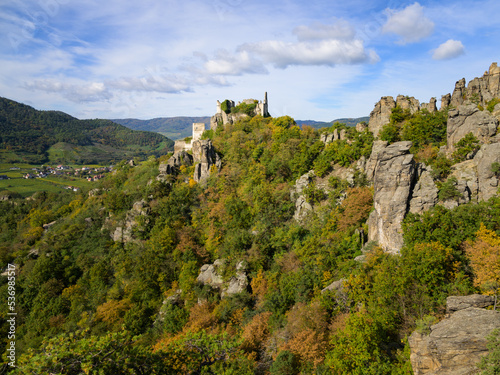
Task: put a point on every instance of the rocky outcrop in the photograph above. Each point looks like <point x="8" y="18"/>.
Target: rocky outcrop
<point x="425" y="193"/>
<point x="125" y="232"/>
<point x="466" y="119"/>
<point x="381" y="114"/>
<point x="302" y="206"/>
<point x="205" y="157"/>
<point x="456" y="303"/>
<point x="456" y="344"/>
<point x="487" y="181"/>
<point x="431" y="106"/>
<point x="393" y="181"/>
<point x="445" y="101"/>
<point x="408" y="103"/>
<point x="458" y="95"/>
<point x="327" y="138"/>
<point x="174" y="163"/>
<point x="211" y="274"/>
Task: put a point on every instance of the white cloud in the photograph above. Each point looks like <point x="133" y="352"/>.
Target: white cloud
<point x="449" y="50"/>
<point x="317" y="45"/>
<point x="227" y="64"/>
<point x="410" y="24"/>
<point x="341" y="30"/>
<point x="326" y="52"/>
<point x="83" y="92"/>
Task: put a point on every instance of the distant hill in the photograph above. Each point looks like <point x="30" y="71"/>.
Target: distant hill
<point x="34" y="136"/>
<point x="181" y="127"/>
<point x="319" y="124"/>
<point x="172" y="127"/>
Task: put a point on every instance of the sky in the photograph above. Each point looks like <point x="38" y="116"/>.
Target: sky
<point x="317" y="59"/>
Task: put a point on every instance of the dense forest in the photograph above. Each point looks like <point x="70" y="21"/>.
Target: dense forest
<point x="29" y="134"/>
<point x="88" y="304"/>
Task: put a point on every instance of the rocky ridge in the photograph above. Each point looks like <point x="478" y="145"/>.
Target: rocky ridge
<point x="455" y="345"/>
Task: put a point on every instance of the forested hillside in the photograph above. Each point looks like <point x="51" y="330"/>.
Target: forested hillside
<point x="154" y="273"/>
<point x="27" y="135"/>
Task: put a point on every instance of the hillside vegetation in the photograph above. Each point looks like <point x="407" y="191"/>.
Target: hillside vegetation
<point x="89" y="301"/>
<point x="32" y="136"/>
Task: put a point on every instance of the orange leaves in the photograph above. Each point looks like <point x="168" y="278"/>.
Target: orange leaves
<point x="356" y="207"/>
<point x="484" y="254"/>
<point x="256" y="332"/>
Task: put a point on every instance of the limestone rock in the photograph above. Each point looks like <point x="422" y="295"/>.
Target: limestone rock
<point x="361" y="127"/>
<point x="302" y="207"/>
<point x="377" y="148"/>
<point x="238" y="283"/>
<point x="457" y="98"/>
<point x="425" y="193"/>
<point x="210" y="274"/>
<point x="487" y="181"/>
<point x="431" y="106"/>
<point x="205" y="157"/>
<point x="455" y="345"/>
<point x="445" y="101"/>
<point x="393" y="180"/>
<point x="408" y="103"/>
<point x="381" y="114"/>
<point x="469" y="119"/>
<point x="456" y="303"/>
<point x="124" y="232"/>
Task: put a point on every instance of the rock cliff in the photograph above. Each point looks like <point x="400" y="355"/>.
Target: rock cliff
<point x="456" y="344"/>
<point x="393" y="181"/>
<point x="204" y="157"/>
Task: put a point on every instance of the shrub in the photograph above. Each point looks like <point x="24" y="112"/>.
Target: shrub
<point x="492" y="103"/>
<point x="466" y="148"/>
<point x="449" y="189"/>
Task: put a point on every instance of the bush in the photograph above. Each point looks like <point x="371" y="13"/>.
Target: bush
<point x="286" y="363"/>
<point x="466" y="148"/>
<point x="449" y="190"/>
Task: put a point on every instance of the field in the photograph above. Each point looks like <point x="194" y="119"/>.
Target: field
<point x="26" y="187"/>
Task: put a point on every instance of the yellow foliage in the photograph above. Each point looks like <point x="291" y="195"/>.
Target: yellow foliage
<point x="484" y="254"/>
<point x="201" y="317"/>
<point x="112" y="312"/>
<point x="309" y="345"/>
<point x="192" y="183"/>
<point x="259" y="286"/>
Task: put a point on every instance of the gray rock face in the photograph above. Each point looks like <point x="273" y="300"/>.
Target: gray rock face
<point x="302" y="207"/>
<point x="124" y="233"/>
<point x="457" y="98"/>
<point x="466" y="119"/>
<point x="371" y="163"/>
<point x="445" y="101"/>
<point x="455" y="345"/>
<point x="425" y="193"/>
<point x="488" y="182"/>
<point x="381" y="114"/>
<point x="456" y="303"/>
<point x="210" y="274"/>
<point x="431" y="106"/>
<point x="408" y="103"/>
<point x="393" y="180"/>
<point x="174" y="163"/>
<point x="205" y="157"/>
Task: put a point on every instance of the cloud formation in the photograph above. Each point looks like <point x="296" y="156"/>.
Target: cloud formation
<point x="316" y="45"/>
<point x="449" y="50"/>
<point x="410" y="24"/>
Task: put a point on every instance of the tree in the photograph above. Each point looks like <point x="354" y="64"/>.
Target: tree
<point x="490" y="364"/>
<point x="484" y="254"/>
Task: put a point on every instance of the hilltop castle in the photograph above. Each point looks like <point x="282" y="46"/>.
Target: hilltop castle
<point x="187" y="144"/>
<point x="227" y="115"/>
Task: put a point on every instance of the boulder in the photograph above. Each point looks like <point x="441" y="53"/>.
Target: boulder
<point x="408" y="103"/>
<point x="210" y="274"/>
<point x="455" y="345"/>
<point x="393" y="181"/>
<point x="431" y="106"/>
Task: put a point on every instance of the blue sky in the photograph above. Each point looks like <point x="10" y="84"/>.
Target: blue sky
<point x="317" y="60"/>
